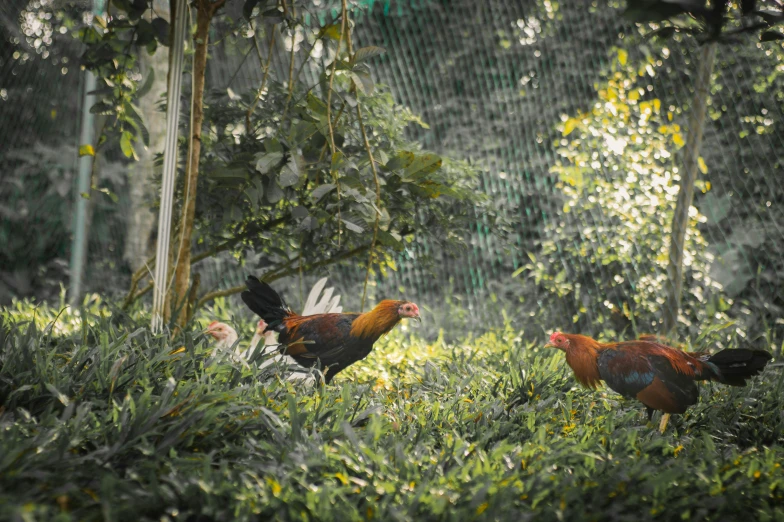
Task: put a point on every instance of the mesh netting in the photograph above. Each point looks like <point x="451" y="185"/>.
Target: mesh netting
<point x="497" y="82"/>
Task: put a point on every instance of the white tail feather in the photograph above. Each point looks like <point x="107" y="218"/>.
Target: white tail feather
<point x="327" y="304"/>
<point x="310" y="302"/>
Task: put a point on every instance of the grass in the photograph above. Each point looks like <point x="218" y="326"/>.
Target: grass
<point x="101" y="422"/>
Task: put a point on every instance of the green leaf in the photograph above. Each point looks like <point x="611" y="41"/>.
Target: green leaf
<point x="363" y="82"/>
<point x="144" y="33"/>
<point x="330" y="31"/>
<point x="322" y="190"/>
<point x="161" y="28"/>
<point x="58" y="394"/>
<point x="148" y="82"/>
<point x="289" y="174"/>
<point x="274" y="192"/>
<point x="109" y="193"/>
<point x="401" y="160"/>
<point x="366" y="53"/>
<point x="424" y="164"/>
<point x="267" y="161"/>
<point x="125" y="144"/>
<point x="353" y="227"/>
<point x="102" y="107"/>
<point x="299" y="212"/>
<point x="771" y="35"/>
<point x="770" y="17"/>
<point x="387" y="239"/>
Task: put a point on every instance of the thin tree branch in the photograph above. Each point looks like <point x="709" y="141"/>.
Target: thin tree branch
<point x="378" y="201"/>
<point x="266" y="67"/>
<point x="139" y="274"/>
<point x="276" y="274"/>
<point x="329" y="120"/>
<point x="291" y="62"/>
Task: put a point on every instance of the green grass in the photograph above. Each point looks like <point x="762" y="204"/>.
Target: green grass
<point x="101" y="422"/>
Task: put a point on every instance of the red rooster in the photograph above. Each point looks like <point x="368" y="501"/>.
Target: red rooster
<point x="660" y="377"/>
<point x="336" y="341"/>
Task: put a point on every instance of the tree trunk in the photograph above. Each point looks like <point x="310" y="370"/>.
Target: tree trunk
<point x="142" y="219"/>
<point x="204" y="13"/>
<point x="680" y="220"/>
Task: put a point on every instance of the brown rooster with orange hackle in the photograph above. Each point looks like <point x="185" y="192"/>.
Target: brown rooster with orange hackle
<point x="335" y="341"/>
<point x="660" y="377"/>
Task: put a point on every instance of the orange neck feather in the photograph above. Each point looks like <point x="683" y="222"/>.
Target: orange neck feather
<point x="582" y="355"/>
<point x="378" y="321"/>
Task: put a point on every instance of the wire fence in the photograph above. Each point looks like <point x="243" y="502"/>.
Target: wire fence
<point x="495" y="81"/>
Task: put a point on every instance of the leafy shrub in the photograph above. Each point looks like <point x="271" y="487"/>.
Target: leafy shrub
<point x="488" y="428"/>
<point x="603" y="261"/>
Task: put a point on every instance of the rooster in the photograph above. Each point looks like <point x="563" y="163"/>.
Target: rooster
<point x="660" y="377"/>
<point x="333" y="340"/>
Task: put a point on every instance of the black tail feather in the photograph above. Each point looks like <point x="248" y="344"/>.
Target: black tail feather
<point x="265" y="302"/>
<point x="735" y="366"/>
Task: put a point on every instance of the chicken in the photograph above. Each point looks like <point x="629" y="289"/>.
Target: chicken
<point x="660" y="377"/>
<point x="225" y="336"/>
<point x="262" y="333"/>
<point x="332" y="340"/>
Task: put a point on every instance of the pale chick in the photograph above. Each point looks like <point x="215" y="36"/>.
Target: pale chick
<point x="262" y="333"/>
<point x="225" y="336"/>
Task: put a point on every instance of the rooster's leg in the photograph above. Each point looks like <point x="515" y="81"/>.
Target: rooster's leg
<point x="664" y="420"/>
<point x="649" y="411"/>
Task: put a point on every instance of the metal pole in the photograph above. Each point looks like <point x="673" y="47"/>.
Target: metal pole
<point x="169" y="167"/>
<point x="85" y="167"/>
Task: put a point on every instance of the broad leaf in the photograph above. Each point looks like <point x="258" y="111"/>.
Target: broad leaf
<point x="267" y="161"/>
<point x="125" y="144"/>
<point x="322" y="190"/>
<point x="353" y="227"/>
<point x="363" y="82"/>
<point x="274" y="192"/>
<point x="366" y="53"/>
<point x="769" y="36"/>
<point x="289" y="174"/>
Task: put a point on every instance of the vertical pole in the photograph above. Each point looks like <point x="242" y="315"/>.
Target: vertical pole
<point x="85" y="167"/>
<point x="169" y="165"/>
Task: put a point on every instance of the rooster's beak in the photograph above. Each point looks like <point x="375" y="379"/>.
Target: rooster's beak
<point x="550" y="345"/>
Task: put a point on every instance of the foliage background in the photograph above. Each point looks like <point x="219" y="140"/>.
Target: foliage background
<point x="102" y="421"/>
<point x="496" y="84"/>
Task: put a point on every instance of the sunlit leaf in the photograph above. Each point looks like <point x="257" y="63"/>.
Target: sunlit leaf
<point x="125" y="144"/>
